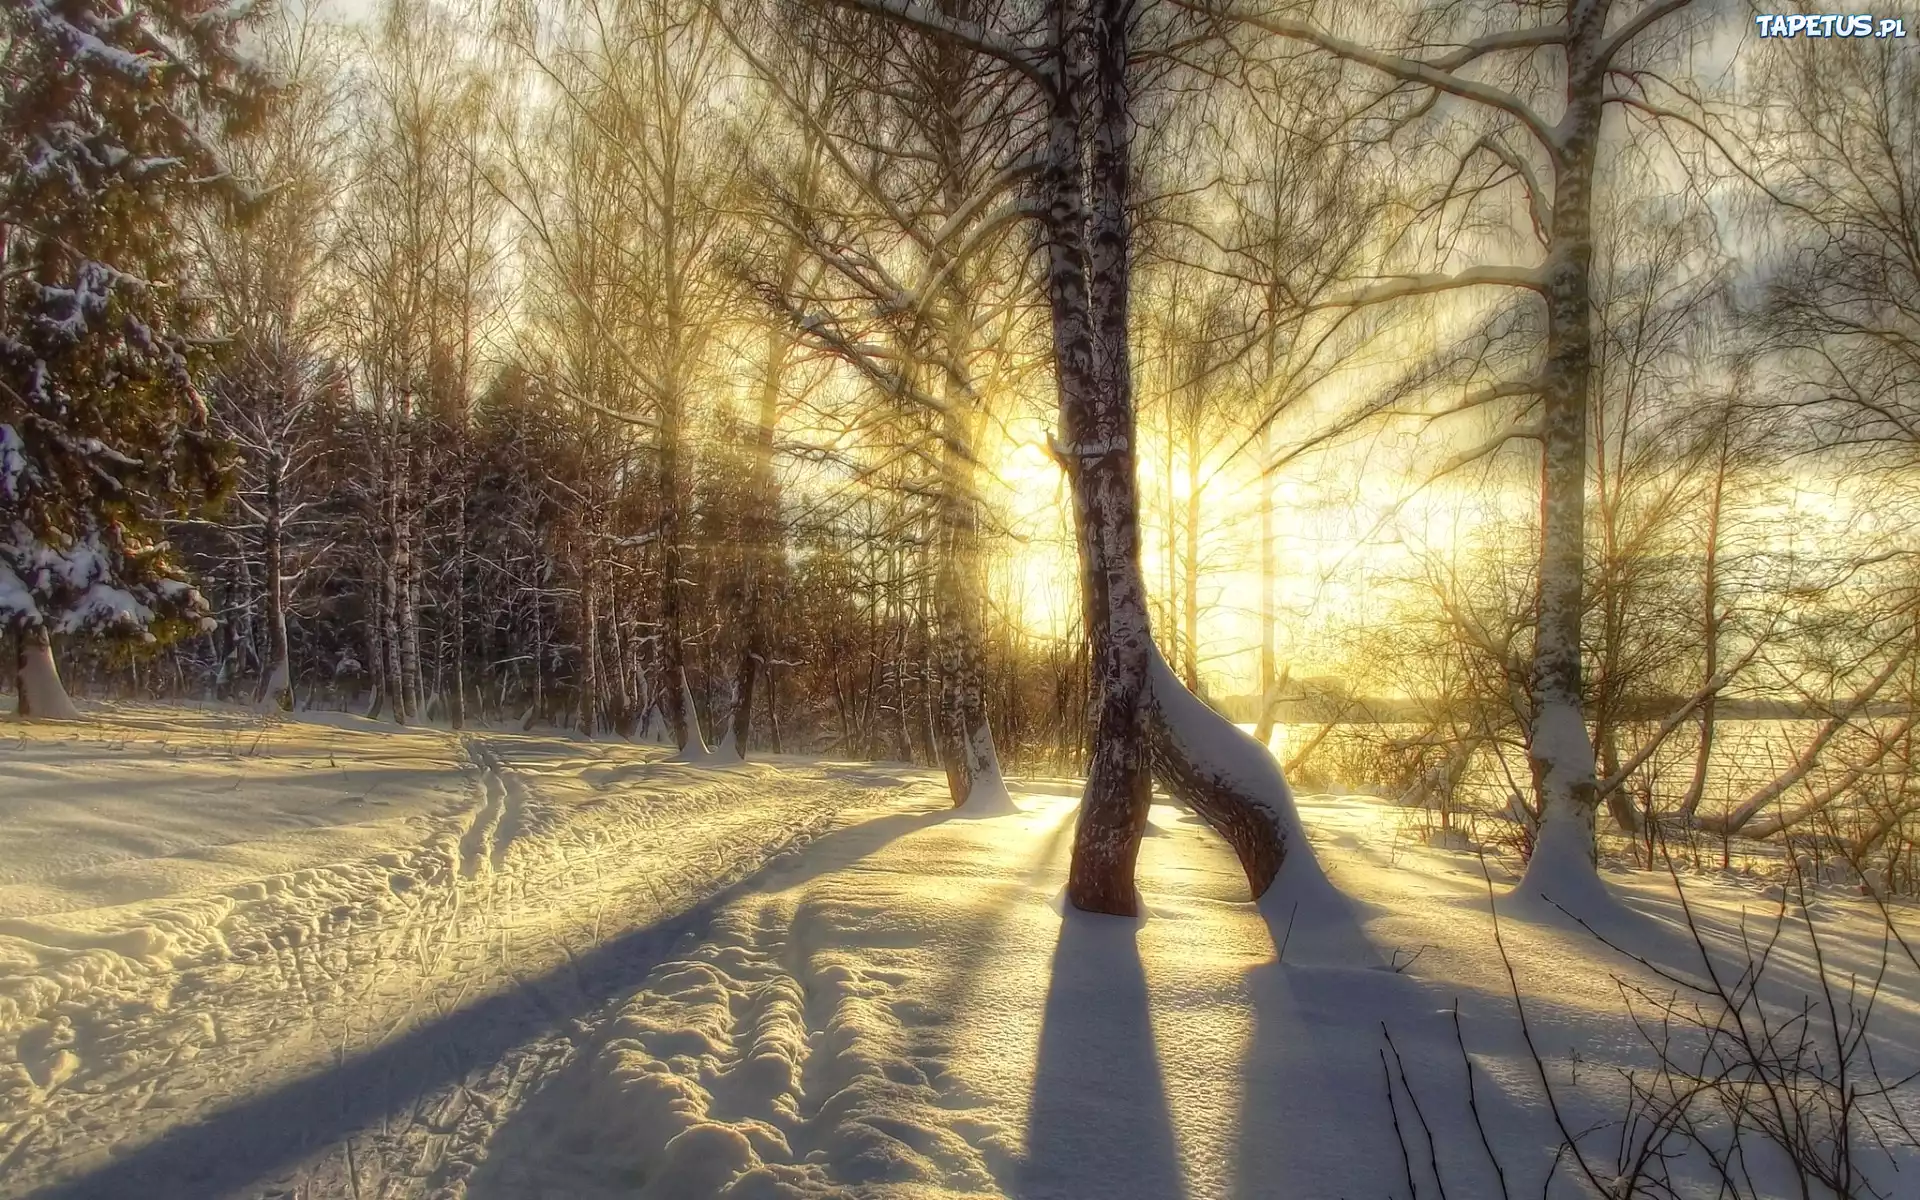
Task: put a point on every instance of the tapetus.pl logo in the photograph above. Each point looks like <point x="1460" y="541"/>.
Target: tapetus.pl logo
<point x="1829" y="25"/>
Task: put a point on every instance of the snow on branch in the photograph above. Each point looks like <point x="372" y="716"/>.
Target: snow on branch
<point x="1532" y="433"/>
<point x="1493" y="393"/>
<point x="85" y="47"/>
<point x="1434" y="74"/>
<point x="1638" y="24"/>
<point x="1401" y="287"/>
<point x="1530" y="38"/>
<point x="971" y="207"/>
<point x="1539" y="208"/>
<point x="824" y="334"/>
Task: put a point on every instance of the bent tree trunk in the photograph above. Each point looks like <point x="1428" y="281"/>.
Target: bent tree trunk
<point x="36" y="679"/>
<point x="1230" y="779"/>
<point x="1145" y="718"/>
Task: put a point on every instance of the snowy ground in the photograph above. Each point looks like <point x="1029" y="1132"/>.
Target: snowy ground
<point x="311" y="960"/>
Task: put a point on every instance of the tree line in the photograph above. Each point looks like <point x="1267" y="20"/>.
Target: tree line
<point x="648" y="368"/>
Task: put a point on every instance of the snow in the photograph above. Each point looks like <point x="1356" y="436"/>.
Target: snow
<point x="1231" y="755"/>
<point x="84" y="46"/>
<point x="13" y="463"/>
<point x="306" y="957"/>
<point x="38" y="682"/>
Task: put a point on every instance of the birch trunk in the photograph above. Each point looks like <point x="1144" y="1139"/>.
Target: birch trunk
<point x="457" y="605"/>
<point x="966" y="737"/>
<point x="1144" y="718"/>
<point x="276" y="686"/>
<point x="589" y="657"/>
<point x="1096" y="431"/>
<point x="1709" y="633"/>
<point x="1559" y="749"/>
<point x="1269" y="568"/>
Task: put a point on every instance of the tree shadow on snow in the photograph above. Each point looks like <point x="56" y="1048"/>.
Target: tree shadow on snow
<point x="1314" y="1114"/>
<point x="1099" y="1124"/>
<point x="263" y="1138"/>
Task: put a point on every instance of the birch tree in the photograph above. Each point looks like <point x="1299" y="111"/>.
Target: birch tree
<point x="1541" y="86"/>
<point x="910" y="233"/>
<point x="1078" y="63"/>
<point x="264" y="271"/>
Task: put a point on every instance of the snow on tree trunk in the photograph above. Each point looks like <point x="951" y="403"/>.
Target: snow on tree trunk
<point x="457" y="600"/>
<point x="1145" y="718"/>
<point x="1087" y="287"/>
<point x="1562" y="867"/>
<point x="965" y="734"/>
<point x="589" y="656"/>
<point x="1559" y="748"/>
<point x="42" y="697"/>
<point x="693" y="748"/>
<point x="1228" y="778"/>
<point x="276" y="688"/>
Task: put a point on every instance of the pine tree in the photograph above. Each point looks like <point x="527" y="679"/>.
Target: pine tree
<point x="112" y="116"/>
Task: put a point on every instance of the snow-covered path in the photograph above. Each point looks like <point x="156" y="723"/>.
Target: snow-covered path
<point x="440" y="917"/>
<point x="566" y="970"/>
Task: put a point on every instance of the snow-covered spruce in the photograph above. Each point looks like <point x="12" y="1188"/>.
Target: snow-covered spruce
<point x="107" y="136"/>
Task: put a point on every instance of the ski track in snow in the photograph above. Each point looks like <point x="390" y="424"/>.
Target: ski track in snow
<point x="357" y="1028"/>
<point x="591" y="973"/>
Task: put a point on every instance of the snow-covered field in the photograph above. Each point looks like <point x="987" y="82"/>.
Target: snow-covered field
<point x="297" y="959"/>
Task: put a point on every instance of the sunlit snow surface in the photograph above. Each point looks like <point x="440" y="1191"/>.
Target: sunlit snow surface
<point x="333" y="959"/>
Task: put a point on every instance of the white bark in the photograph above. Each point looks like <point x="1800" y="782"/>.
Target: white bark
<point x="694" y="748"/>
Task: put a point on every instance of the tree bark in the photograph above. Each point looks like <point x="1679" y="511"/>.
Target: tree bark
<point x="276" y="687"/>
<point x="1559" y="749"/>
<point x="1709" y="630"/>
<point x="457" y="599"/>
<point x="589" y="656"/>
<point x="1269" y="568"/>
<point x="1096" y="448"/>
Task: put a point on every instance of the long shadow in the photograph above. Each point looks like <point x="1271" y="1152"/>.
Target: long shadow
<point x="552" y="1146"/>
<point x="1099" y="1123"/>
<point x="256" y="1138"/>
<point x="1314" y="1115"/>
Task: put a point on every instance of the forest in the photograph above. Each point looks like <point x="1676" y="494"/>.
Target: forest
<point x="1505" y="410"/>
